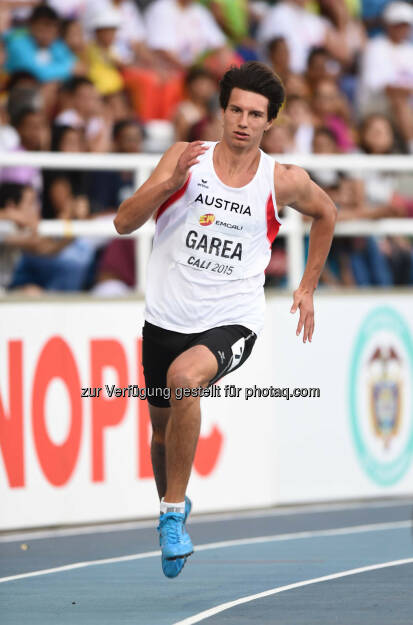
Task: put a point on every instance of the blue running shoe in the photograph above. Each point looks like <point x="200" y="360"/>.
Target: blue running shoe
<point x="172" y="568"/>
<point x="173" y="537"/>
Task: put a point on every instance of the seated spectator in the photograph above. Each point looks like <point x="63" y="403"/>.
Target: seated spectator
<point x="109" y="188"/>
<point x="235" y="18"/>
<point x="279" y="139"/>
<point x="377" y="136"/>
<point x="74" y="37"/>
<point x="300" y="118"/>
<point x="279" y="57"/>
<point x="22" y="80"/>
<point x="18" y="207"/>
<point x="332" y="111"/>
<point x="39" y="50"/>
<point x="357" y="260"/>
<point x="25" y="90"/>
<point x="83" y="108"/>
<point x="183" y="31"/>
<point x="117" y="106"/>
<point x="202" y="93"/>
<point x="64" y="192"/>
<point x="302" y="30"/>
<point x="116" y="273"/>
<point x="33" y="136"/>
<point x="102" y="61"/>
<point x="130" y="39"/>
<point x="325" y="141"/>
<point x="54" y="265"/>
<point x="232" y="17"/>
<point x="32" y="263"/>
<point x="116" y="265"/>
<point x="386" y="81"/>
<point x="383" y="199"/>
<point x="23" y="93"/>
<point x="296" y="86"/>
<point x="209" y="128"/>
<point x="342" y="17"/>
<point x="320" y="66"/>
<point x="371" y="13"/>
<point x="20" y="92"/>
<point x="341" y="13"/>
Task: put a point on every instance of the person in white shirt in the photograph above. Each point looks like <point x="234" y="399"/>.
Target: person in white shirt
<point x="386" y="80"/>
<point x="302" y="31"/>
<point x="182" y="30"/>
<point x="130" y="40"/>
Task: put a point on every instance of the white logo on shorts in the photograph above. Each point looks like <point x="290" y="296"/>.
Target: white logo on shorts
<point x="222" y="356"/>
<point x="237" y="352"/>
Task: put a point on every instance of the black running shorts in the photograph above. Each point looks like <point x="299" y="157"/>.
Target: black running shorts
<point x="231" y="346"/>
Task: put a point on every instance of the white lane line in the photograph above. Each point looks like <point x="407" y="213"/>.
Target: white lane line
<point x="80" y="565"/>
<point x="375" y="527"/>
<point x="196" y="618"/>
<point x="121" y="526"/>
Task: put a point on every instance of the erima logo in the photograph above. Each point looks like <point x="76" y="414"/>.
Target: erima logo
<point x="218" y="202"/>
<point x="207" y="219"/>
<point x="203" y="184"/>
<point x="228" y="225"/>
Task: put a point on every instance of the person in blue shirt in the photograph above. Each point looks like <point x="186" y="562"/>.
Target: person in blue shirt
<point x="39" y="50"/>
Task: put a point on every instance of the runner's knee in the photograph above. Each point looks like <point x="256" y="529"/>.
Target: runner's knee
<point x="178" y="377"/>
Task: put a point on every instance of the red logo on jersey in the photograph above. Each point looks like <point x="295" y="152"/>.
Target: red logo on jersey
<point x="207" y="220"/>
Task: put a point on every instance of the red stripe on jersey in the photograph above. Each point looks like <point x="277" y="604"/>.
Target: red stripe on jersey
<point x="272" y="224"/>
<point x="173" y="198"/>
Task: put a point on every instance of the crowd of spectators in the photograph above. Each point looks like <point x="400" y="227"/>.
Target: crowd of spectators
<point x="132" y="76"/>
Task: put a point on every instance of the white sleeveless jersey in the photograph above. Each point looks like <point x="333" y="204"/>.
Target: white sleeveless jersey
<point x="212" y="244"/>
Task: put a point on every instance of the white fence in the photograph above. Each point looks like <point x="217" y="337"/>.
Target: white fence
<point x="142" y="165"/>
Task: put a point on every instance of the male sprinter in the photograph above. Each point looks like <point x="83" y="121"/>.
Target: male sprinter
<point x="216" y="218"/>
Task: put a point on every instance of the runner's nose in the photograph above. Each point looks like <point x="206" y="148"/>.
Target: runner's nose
<point x="243" y="123"/>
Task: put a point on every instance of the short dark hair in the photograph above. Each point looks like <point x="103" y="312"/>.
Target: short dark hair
<point x="21" y="75"/>
<point x="21" y="115"/>
<point x="317" y="51"/>
<point x="197" y="71"/>
<point x="256" y="77"/>
<point x="72" y="84"/>
<point x="274" y="43"/>
<point x="57" y="135"/>
<point x="324" y="130"/>
<point x="125" y="123"/>
<point x="11" y="192"/>
<point x="65" y="24"/>
<point x="43" y="12"/>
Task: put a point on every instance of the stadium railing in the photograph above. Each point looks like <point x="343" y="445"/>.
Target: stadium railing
<point x="293" y="227"/>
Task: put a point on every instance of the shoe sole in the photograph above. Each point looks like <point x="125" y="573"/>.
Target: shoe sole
<point x="184" y="555"/>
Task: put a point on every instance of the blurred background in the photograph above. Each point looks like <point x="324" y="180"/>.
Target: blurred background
<point x="91" y="93"/>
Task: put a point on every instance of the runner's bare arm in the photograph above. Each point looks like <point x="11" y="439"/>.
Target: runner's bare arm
<point x="169" y="175"/>
<point x="295" y="188"/>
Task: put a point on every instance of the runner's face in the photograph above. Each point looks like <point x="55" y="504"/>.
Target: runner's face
<point x="245" y="118"/>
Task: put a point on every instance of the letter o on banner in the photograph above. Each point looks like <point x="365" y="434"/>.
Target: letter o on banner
<point x="56" y="361"/>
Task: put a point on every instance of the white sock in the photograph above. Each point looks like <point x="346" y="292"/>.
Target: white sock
<point x="172" y="507"/>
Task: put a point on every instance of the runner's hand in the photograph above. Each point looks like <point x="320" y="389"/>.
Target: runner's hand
<point x="304" y="301"/>
<point x="188" y="158"/>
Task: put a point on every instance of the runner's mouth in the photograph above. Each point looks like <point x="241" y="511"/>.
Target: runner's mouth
<point x="240" y="135"/>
